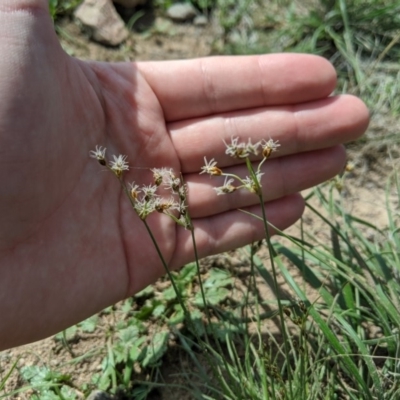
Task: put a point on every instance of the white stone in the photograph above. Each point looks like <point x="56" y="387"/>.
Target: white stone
<point x="181" y="12"/>
<point x="103" y="21"/>
<point x="200" y="20"/>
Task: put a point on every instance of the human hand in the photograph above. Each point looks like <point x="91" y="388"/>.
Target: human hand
<point x="70" y="244"/>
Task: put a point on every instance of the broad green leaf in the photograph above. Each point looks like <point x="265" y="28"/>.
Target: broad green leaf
<point x="89" y="325"/>
<point x="147" y="292"/>
<point x="218" y="278"/>
<point x="156" y="348"/>
<point x="214" y="296"/>
<point x="177" y="317"/>
<point x="68" y="334"/>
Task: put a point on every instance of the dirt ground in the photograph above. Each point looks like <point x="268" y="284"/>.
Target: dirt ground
<point x="364" y="195"/>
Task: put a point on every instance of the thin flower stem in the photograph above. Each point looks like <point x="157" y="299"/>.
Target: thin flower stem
<point x="233" y="176"/>
<point x="167" y="270"/>
<point x="274" y="273"/>
<point x="261" y="163"/>
<point x="186" y="312"/>
<point x="118" y="166"/>
<point x="204" y="296"/>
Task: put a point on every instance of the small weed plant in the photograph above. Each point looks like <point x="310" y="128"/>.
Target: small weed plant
<point x="326" y="343"/>
<point x="337" y="332"/>
<point x="59" y="8"/>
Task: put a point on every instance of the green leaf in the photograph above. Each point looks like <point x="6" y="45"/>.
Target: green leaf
<point x="68" y="393"/>
<point x="135" y="351"/>
<point x="68" y="334"/>
<point x="222" y="330"/>
<point x="128" y="339"/>
<point x="177" y="317"/>
<point x="187" y="273"/>
<point x="146" y="310"/>
<point x="169" y="294"/>
<point x="48" y="395"/>
<point x="159" y="310"/>
<point x="89" y="325"/>
<point x="147" y="292"/>
<point x="126" y="306"/>
<point x="218" y="278"/>
<point x="42" y="377"/>
<point x="214" y="296"/>
<point x="156" y="349"/>
<point x="129" y="335"/>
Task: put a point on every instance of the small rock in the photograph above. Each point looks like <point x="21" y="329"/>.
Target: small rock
<point x="103" y="21"/>
<point x="130" y="3"/>
<point x="181" y="12"/>
<point x="200" y="20"/>
<point x="99" y="395"/>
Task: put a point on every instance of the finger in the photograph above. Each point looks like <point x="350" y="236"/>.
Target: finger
<point x="20" y="5"/>
<point x="194" y="88"/>
<point x="282" y="176"/>
<point x="234" y="229"/>
<point x="300" y="128"/>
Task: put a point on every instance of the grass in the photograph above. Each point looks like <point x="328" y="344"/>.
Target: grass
<point x="60" y="8"/>
<point x="330" y="326"/>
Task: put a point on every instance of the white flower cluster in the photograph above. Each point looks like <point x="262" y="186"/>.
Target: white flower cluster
<point x="238" y="149"/>
<point x="118" y="165"/>
<point x="145" y="200"/>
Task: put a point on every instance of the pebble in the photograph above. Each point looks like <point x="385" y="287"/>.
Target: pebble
<point x="181" y="12"/>
<point x="101" y="19"/>
<point x="200" y="20"/>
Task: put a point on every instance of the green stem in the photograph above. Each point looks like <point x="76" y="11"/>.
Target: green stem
<point x="167" y="270"/>
<point x="274" y="273"/>
<point x="205" y="301"/>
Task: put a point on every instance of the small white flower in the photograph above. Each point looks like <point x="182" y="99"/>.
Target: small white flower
<point x="119" y="165"/>
<point x="269" y="146"/>
<point x="241" y="150"/>
<point x="149" y="191"/>
<point x="99" y="154"/>
<point x="226" y="188"/>
<point x="133" y="190"/>
<point x="183" y="221"/>
<point x="250" y="185"/>
<point x="172" y="183"/>
<point x="182" y="208"/>
<point x="236" y="149"/>
<point x="210" y="167"/>
<point x="165" y="205"/>
<point x="182" y="192"/>
<point x="144" y="208"/>
<point x="160" y="174"/>
<point x="252" y="148"/>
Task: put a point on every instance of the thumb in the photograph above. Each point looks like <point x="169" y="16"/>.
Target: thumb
<point x="29" y="48"/>
<point x="23" y="5"/>
<point x="25" y="23"/>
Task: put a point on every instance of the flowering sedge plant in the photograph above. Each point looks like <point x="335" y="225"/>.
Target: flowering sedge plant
<point x="238" y="149"/>
<point x="252" y="183"/>
<point x="146" y="199"/>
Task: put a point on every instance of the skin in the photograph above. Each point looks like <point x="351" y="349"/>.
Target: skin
<point x="70" y="244"/>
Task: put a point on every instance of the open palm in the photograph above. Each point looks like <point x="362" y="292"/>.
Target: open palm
<point x="69" y="242"/>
